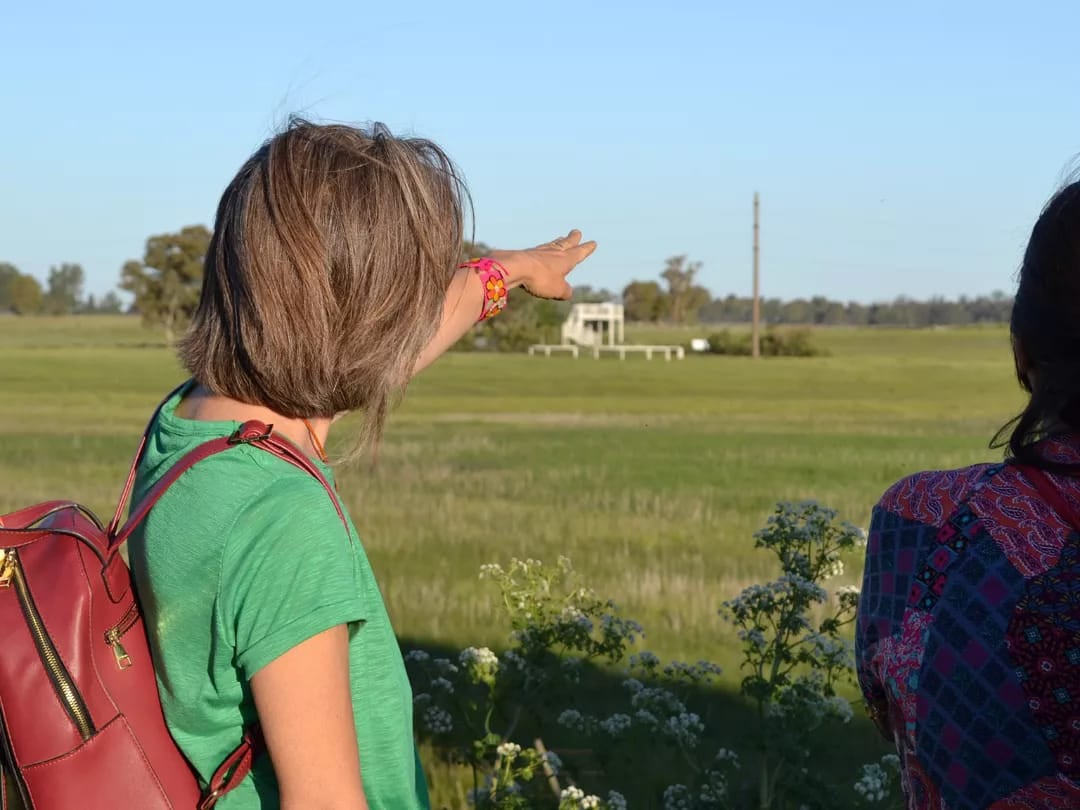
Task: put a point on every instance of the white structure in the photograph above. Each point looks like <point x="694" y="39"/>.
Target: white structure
<point x="588" y="324"/>
<point x="601" y="328"/>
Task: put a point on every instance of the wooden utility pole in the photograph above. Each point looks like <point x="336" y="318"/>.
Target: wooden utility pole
<point x="756" y="338"/>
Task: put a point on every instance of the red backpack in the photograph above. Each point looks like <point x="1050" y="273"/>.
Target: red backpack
<point x="81" y="724"/>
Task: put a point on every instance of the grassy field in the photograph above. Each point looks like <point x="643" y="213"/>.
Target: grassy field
<point x="651" y="476"/>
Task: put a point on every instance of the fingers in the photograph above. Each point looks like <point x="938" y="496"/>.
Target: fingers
<point x="580" y="253"/>
<point x="564" y="242"/>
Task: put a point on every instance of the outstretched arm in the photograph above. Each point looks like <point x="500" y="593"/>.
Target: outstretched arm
<point x="541" y="271"/>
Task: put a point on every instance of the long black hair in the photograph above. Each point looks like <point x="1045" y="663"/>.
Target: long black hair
<point x="1045" y="327"/>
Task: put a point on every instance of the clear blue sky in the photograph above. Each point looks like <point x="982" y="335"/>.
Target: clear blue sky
<point x="899" y="148"/>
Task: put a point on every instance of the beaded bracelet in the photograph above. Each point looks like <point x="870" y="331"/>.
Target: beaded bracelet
<point x="493" y="280"/>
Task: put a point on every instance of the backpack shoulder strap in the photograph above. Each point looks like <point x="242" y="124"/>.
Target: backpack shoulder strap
<point x="237" y="764"/>
<point x="129" y="485"/>
<point x="257" y="434"/>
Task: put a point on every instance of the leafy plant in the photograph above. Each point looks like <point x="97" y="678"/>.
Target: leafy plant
<point x="795" y="655"/>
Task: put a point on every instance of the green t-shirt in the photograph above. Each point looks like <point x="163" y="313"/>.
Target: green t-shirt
<point x="243" y="558"/>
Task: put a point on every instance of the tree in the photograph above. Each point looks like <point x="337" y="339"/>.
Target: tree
<point x="474" y="250"/>
<point x="644" y="301"/>
<point x="8" y="274"/>
<point x="167" y="282"/>
<point x="585" y="294"/>
<point x="697" y="298"/>
<point x="110" y="304"/>
<point x="685" y="299"/>
<point x="65" y="288"/>
<point x="25" y="296"/>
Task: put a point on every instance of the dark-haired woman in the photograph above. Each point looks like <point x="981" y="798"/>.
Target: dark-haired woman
<point x="968" y="637"/>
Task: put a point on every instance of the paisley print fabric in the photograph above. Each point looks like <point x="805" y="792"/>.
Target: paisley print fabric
<point x="968" y="637"/>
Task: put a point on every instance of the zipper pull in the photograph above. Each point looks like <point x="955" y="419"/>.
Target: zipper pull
<point x="123" y="660"/>
<point x="7" y="569"/>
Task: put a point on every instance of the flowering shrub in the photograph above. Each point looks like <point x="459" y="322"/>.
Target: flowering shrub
<point x="477" y="705"/>
<point x="793" y="651"/>
<point x="878" y="779"/>
<point x="555" y="628"/>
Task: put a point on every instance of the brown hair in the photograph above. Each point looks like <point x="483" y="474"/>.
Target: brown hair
<point x="332" y="252"/>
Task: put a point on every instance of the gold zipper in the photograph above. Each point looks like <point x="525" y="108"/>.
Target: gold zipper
<point x="7" y="568"/>
<point x="65" y="688"/>
<point x="115" y="633"/>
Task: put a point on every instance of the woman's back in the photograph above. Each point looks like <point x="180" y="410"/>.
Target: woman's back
<point x="969" y="637"/>
<point x="333" y="275"/>
<point x="241" y="560"/>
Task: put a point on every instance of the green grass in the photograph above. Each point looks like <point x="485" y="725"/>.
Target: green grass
<point x="651" y="476"/>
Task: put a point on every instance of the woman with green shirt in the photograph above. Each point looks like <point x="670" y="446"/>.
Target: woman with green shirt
<point x="334" y="275"/>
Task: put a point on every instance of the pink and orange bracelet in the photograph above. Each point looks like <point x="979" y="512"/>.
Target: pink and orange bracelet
<point x="493" y="280"/>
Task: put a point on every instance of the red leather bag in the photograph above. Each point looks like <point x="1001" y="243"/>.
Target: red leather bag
<point x="81" y="724"/>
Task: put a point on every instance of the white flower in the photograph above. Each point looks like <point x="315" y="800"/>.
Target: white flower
<point x="422" y="699"/>
<point x="775" y="711"/>
<point x="438" y="721"/>
<point x="644" y="660"/>
<point x="714" y="792"/>
<point x="590" y="803"/>
<point x="573" y="615"/>
<point x="513" y="659"/>
<point x="685" y="728"/>
<point x="858" y="532"/>
<point x="831" y="651"/>
<point x="848" y="590"/>
<point x="418" y="656"/>
<point x="726" y="755"/>
<point x="626" y="629"/>
<point x="755" y="638"/>
<point x="633" y="685"/>
<point x="840" y="708"/>
<point x="616" y="724"/>
<point x="658" y="699"/>
<point x="443" y="684"/>
<point x="646" y="718"/>
<point x="873" y="783"/>
<point x="616" y="801"/>
<point x="481" y="664"/>
<point x="571" y="718"/>
<point x="491" y="570"/>
<point x="481" y="656"/>
<point x="553" y="761"/>
<point x="801" y="586"/>
<point x="707" y="669"/>
<point x="677" y="797"/>
<point x="508" y="750"/>
<point x="444" y="666"/>
<point x="573" y="794"/>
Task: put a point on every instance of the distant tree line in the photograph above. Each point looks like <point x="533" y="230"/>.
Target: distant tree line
<point x="62" y="294"/>
<point x="819" y="311"/>
<point x="166" y="282"/>
<point x="680" y="301"/>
